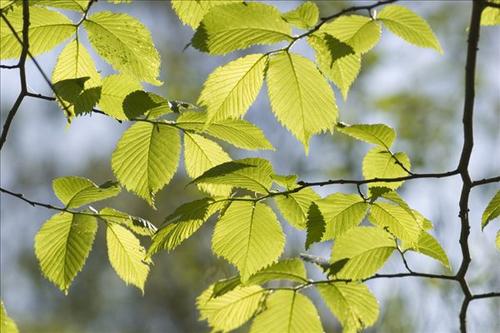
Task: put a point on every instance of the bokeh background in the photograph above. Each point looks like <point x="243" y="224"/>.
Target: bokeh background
<point x="417" y="91"/>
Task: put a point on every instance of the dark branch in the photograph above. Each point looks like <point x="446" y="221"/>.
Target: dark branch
<point x="22" y="71"/>
<point x="485" y="181"/>
<point x="9" y="66"/>
<point x="492" y="4"/>
<point x="487" y="295"/>
<point x="463" y="166"/>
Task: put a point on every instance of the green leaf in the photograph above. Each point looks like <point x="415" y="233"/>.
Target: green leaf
<point x="249" y="236"/>
<point x="76" y="5"/>
<point x="315" y="225"/>
<point x="409" y="26"/>
<point x="253" y="174"/>
<point x="287" y="311"/>
<point x="231" y="310"/>
<point x="182" y="223"/>
<point x="115" y="88"/>
<point x="136" y="224"/>
<point x="360" y="32"/>
<point x="492" y="211"/>
<point x="379" y="163"/>
<point x="125" y="43"/>
<point x="341" y="213"/>
<point x="429" y="246"/>
<point x="76" y="191"/>
<point x="397" y="220"/>
<point x="238" y="26"/>
<point x="139" y="102"/>
<point x="497" y="241"/>
<point x="366" y="250"/>
<point x="336" y="60"/>
<point x="352" y="303"/>
<point x="238" y="132"/>
<point x="191" y="12"/>
<point x="231" y="89"/>
<point x="304" y="16"/>
<point x="289" y="182"/>
<point x="126" y="255"/>
<point x="490" y="15"/>
<point x="7" y="324"/>
<point x="62" y="246"/>
<point x="377" y="134"/>
<point x="294" y="206"/>
<point x="201" y="154"/>
<point x="224" y="286"/>
<point x="300" y="97"/>
<point x="47" y="29"/>
<point x="289" y="269"/>
<point x="146" y="158"/>
<point x="75" y="62"/>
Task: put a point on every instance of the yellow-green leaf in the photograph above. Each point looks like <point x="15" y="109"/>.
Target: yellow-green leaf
<point x="429" y="246"/>
<point x="231" y="89"/>
<point x="364" y="250"/>
<point x="300" y="97"/>
<point x="238" y="26"/>
<point x="78" y="191"/>
<point x="490" y="15"/>
<point x="136" y="224"/>
<point x="352" y="303"/>
<point x="125" y="43"/>
<point x="62" y="246"/>
<point x="377" y="134"/>
<point x="115" y="88"/>
<point x="398" y="221"/>
<point x="288" y="311"/>
<point x="360" y="32"/>
<point x="126" y="255"/>
<point x="492" y="211"/>
<point x="253" y="174"/>
<point x="76" y="5"/>
<point x="231" y="310"/>
<point x="497" y="241"/>
<point x="304" y="16"/>
<point x="238" y="132"/>
<point x="336" y="61"/>
<point x="191" y="12"/>
<point x="379" y="163"/>
<point x="201" y="154"/>
<point x="341" y="212"/>
<point x="146" y="158"/>
<point x="289" y="269"/>
<point x="249" y="236"/>
<point x="7" y="325"/>
<point x="294" y="206"/>
<point x="409" y="26"/>
<point x="47" y="29"/>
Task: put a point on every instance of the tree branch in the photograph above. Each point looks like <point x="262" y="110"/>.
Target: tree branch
<point x="487" y="295"/>
<point x="463" y="166"/>
<point x="485" y="181"/>
<point x="22" y="72"/>
<point x="492" y="4"/>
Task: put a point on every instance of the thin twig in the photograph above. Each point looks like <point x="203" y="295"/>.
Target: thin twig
<point x="485" y="181"/>
<point x="487" y="295"/>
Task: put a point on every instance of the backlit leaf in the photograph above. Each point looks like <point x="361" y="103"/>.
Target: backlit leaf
<point x="62" y="246"/>
<point x="48" y="28"/>
<point x="289" y="269"/>
<point x="300" y="97"/>
<point x="379" y="163"/>
<point x="377" y="134"/>
<point x="360" y="32"/>
<point x="76" y="5"/>
<point x="294" y="206"/>
<point x="146" y="158"/>
<point x="126" y="255"/>
<point x="7" y="325"/>
<point x="239" y="26"/>
<point x="492" y="211"/>
<point x="78" y="191"/>
<point x="490" y="15"/>
<point x="366" y="249"/>
<point x="125" y="43"/>
<point x="409" y="26"/>
<point x="238" y="132"/>
<point x="253" y="174"/>
<point x="304" y="16"/>
<point x="191" y="12"/>
<point x="136" y="224"/>
<point x="115" y="88"/>
<point x="231" y="310"/>
<point x="341" y="213"/>
<point x="249" y="236"/>
<point x="352" y="303"/>
<point x="397" y="220"/>
<point x="315" y="225"/>
<point x="287" y="311"/>
<point x="231" y="89"/>
<point x="429" y="246"/>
